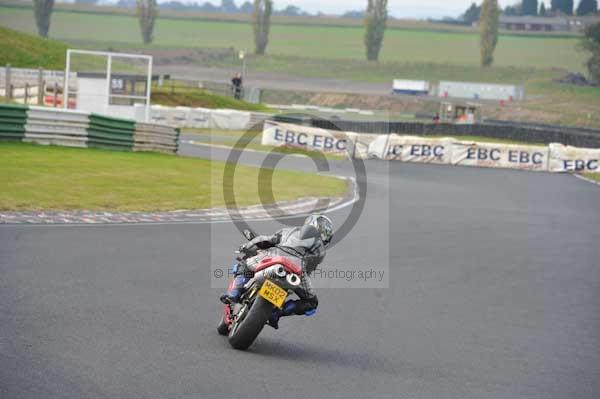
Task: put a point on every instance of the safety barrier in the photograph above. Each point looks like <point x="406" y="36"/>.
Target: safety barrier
<point x="525" y="132"/>
<point x="151" y="137"/>
<point x="110" y="133"/>
<point x="54" y="126"/>
<point x="447" y="150"/>
<point x="202" y="118"/>
<point x="12" y="121"/>
<point x="57" y="127"/>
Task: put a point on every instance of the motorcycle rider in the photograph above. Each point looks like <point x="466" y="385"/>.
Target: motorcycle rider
<point x="304" y="245"/>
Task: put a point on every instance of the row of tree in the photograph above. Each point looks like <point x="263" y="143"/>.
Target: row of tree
<point x="531" y="7"/>
<point x="227" y="6"/>
<point x="375" y="18"/>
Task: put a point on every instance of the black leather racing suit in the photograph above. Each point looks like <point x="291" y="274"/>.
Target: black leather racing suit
<point x="302" y="245"/>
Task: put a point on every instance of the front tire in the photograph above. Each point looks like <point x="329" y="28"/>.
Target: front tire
<point x="243" y="334"/>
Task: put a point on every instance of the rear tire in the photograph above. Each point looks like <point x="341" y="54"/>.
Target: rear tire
<point x="244" y="334"/>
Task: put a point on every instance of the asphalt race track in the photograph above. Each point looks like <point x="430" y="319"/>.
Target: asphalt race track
<point x="494" y="293"/>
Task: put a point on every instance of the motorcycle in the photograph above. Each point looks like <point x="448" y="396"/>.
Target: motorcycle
<point x="274" y="279"/>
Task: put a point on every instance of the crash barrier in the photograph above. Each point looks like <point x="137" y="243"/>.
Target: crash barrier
<point x="447" y="150"/>
<point x="12" y="121"/>
<point x="110" y="133"/>
<point x="156" y="138"/>
<point x="201" y="118"/>
<point x="525" y="132"/>
<point x="57" y="127"/>
<point x="53" y="126"/>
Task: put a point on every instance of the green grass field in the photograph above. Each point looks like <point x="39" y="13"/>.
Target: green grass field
<point x="323" y="42"/>
<point x="36" y="177"/>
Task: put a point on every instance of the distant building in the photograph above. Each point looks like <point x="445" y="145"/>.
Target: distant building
<point x="547" y="24"/>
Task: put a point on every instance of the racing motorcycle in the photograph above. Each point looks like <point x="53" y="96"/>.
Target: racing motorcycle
<point x="275" y="278"/>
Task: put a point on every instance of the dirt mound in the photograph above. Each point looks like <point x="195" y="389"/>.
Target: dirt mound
<point x="384" y="103"/>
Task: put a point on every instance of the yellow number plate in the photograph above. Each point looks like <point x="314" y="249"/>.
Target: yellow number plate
<point x="273" y="293"/>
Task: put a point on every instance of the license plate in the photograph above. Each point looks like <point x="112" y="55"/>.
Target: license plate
<point x="273" y="293"/>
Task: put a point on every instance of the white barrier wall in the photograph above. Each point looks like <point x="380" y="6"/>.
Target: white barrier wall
<point x="572" y="159"/>
<point x="56" y="126"/>
<point x="412" y="149"/>
<point x="490" y="155"/>
<point x="310" y="138"/>
<point x="201" y="118"/>
<point x="446" y="150"/>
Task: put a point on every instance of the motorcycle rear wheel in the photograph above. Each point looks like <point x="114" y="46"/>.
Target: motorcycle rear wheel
<point x="223" y="328"/>
<point x="243" y="334"/>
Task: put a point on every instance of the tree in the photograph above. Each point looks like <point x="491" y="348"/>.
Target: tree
<point x="530" y="7"/>
<point x="43" y="10"/>
<point x="472" y="14"/>
<point x="246" y="8"/>
<point x="564" y="6"/>
<point x="375" y="21"/>
<point x="586" y="7"/>
<point x="568" y="7"/>
<point x="488" y="24"/>
<point x="590" y="42"/>
<point x="261" y="18"/>
<point x="354" y="14"/>
<point x="146" y="12"/>
<point x="291" y="11"/>
<point x="542" y="9"/>
<point x="228" y="6"/>
<point x="513" y="10"/>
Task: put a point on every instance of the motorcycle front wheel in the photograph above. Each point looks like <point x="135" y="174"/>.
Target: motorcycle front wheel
<point x="245" y="330"/>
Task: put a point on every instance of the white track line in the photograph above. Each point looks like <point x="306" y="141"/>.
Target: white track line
<point x="344" y="204"/>
<point x="587" y="179"/>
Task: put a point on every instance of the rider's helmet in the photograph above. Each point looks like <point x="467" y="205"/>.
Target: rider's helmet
<point x="323" y="224"/>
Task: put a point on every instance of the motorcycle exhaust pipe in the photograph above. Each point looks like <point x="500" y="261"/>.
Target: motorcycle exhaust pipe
<point x="280" y="271"/>
<point x="273" y="271"/>
<point x="293" y="280"/>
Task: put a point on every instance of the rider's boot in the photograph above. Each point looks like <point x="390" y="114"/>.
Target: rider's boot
<point x="289" y="308"/>
<point x="235" y="290"/>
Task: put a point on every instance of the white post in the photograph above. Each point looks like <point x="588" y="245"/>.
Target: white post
<point x="108" y="82"/>
<point x="148" y="89"/>
<point x="66" y="82"/>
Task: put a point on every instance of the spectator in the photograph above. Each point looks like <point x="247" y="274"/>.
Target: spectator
<point x="236" y="86"/>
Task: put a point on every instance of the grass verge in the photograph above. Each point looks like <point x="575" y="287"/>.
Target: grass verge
<point x="593" y="176"/>
<point x="189" y="97"/>
<point x="27" y="51"/>
<point x="37" y="177"/>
